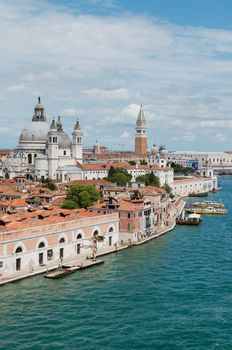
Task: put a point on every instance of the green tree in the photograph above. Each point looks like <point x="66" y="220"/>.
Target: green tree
<point x="153" y="179"/>
<point x="131" y="162"/>
<point x="120" y="179"/>
<point x="149" y="179"/>
<point x="167" y="188"/>
<point x="51" y="186"/>
<point x="119" y="176"/>
<point x="179" y="169"/>
<point x="69" y="204"/>
<point x="141" y="178"/>
<point x="143" y="162"/>
<point x="81" y="196"/>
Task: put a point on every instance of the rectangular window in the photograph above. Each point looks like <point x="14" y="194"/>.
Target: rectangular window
<point x="49" y="254"/>
<point x="1" y="263"/>
<point x="128" y="215"/>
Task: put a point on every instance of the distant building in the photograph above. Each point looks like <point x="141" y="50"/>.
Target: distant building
<point x="43" y="149"/>
<point x="220" y="162"/>
<point x="141" y="135"/>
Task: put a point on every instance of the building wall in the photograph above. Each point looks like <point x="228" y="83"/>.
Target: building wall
<point x="30" y="238"/>
<point x="183" y="188"/>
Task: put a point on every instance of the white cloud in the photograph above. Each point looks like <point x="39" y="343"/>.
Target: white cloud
<point x="220" y="137"/>
<point x="97" y="63"/>
<point x="189" y="136"/>
<point x="16" y="88"/>
<point x="118" y="94"/>
<point x="131" y="110"/>
<point x="125" y="135"/>
<point x="70" y="112"/>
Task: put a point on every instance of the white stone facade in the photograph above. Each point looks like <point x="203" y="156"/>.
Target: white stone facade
<point x="43" y="149"/>
<point x="190" y="185"/>
<point x="26" y="249"/>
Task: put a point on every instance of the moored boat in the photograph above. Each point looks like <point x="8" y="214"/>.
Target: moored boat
<point x="192" y="219"/>
<point x="59" y="273"/>
<point x="207" y="211"/>
<point x="207" y="204"/>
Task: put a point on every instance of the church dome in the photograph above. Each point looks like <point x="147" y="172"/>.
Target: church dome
<point x="64" y="140"/>
<point x="35" y="131"/>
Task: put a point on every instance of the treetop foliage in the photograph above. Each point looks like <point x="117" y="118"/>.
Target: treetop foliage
<point x="80" y="196"/>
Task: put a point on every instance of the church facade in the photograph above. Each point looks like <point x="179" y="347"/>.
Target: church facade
<point x="44" y="149"/>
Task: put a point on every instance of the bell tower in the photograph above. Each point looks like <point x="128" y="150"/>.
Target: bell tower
<point x="53" y="141"/>
<point x="77" y="144"/>
<point x="141" y="135"/>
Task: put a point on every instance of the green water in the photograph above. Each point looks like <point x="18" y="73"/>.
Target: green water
<point x="172" y="293"/>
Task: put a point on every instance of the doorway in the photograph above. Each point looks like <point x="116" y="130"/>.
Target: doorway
<point x="40" y="258"/>
<point x="78" y="248"/>
<point x="61" y="253"/>
<point x="18" y="264"/>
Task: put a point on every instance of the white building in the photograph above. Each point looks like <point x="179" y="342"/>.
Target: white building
<point x="43" y="150"/>
<point x="219" y="161"/>
<point x="183" y="187"/>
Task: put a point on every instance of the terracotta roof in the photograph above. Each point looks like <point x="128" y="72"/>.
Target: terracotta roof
<point x="19" y="202"/>
<point x="124" y="205"/>
<point x="151" y="191"/>
<point x="24" y="219"/>
<point x="123" y="165"/>
<point x="192" y="179"/>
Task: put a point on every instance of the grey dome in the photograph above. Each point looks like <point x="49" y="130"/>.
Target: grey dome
<point x="64" y="140"/>
<point x="35" y="131"/>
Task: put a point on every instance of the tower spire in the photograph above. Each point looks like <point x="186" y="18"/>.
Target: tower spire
<point x="141" y="134"/>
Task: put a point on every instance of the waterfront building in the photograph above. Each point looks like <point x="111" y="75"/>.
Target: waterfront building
<point x="29" y="240"/>
<point x="185" y="186"/>
<point x="142" y="212"/>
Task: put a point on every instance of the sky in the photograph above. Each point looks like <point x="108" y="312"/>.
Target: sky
<point x="99" y="60"/>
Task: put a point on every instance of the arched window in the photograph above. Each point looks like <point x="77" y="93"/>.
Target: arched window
<point x="18" y="250"/>
<point x="41" y="245"/>
<point x="95" y="234"/>
<point x="62" y="240"/>
<point x="79" y="236"/>
<point x="111" y="229"/>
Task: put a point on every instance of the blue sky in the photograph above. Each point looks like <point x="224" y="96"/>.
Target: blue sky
<point x="98" y="60"/>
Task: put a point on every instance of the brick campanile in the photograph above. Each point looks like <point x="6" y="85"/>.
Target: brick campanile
<point x="141" y="135"/>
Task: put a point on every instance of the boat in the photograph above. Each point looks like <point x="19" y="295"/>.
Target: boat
<point x="60" y="273"/>
<point x="207" y="211"/>
<point x="207" y="204"/>
<point x="191" y="219"/>
<point x="201" y="194"/>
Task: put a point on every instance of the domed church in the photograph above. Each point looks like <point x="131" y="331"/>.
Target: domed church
<point x="44" y="150"/>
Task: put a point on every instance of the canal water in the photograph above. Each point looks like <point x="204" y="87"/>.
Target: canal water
<point x="173" y="293"/>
